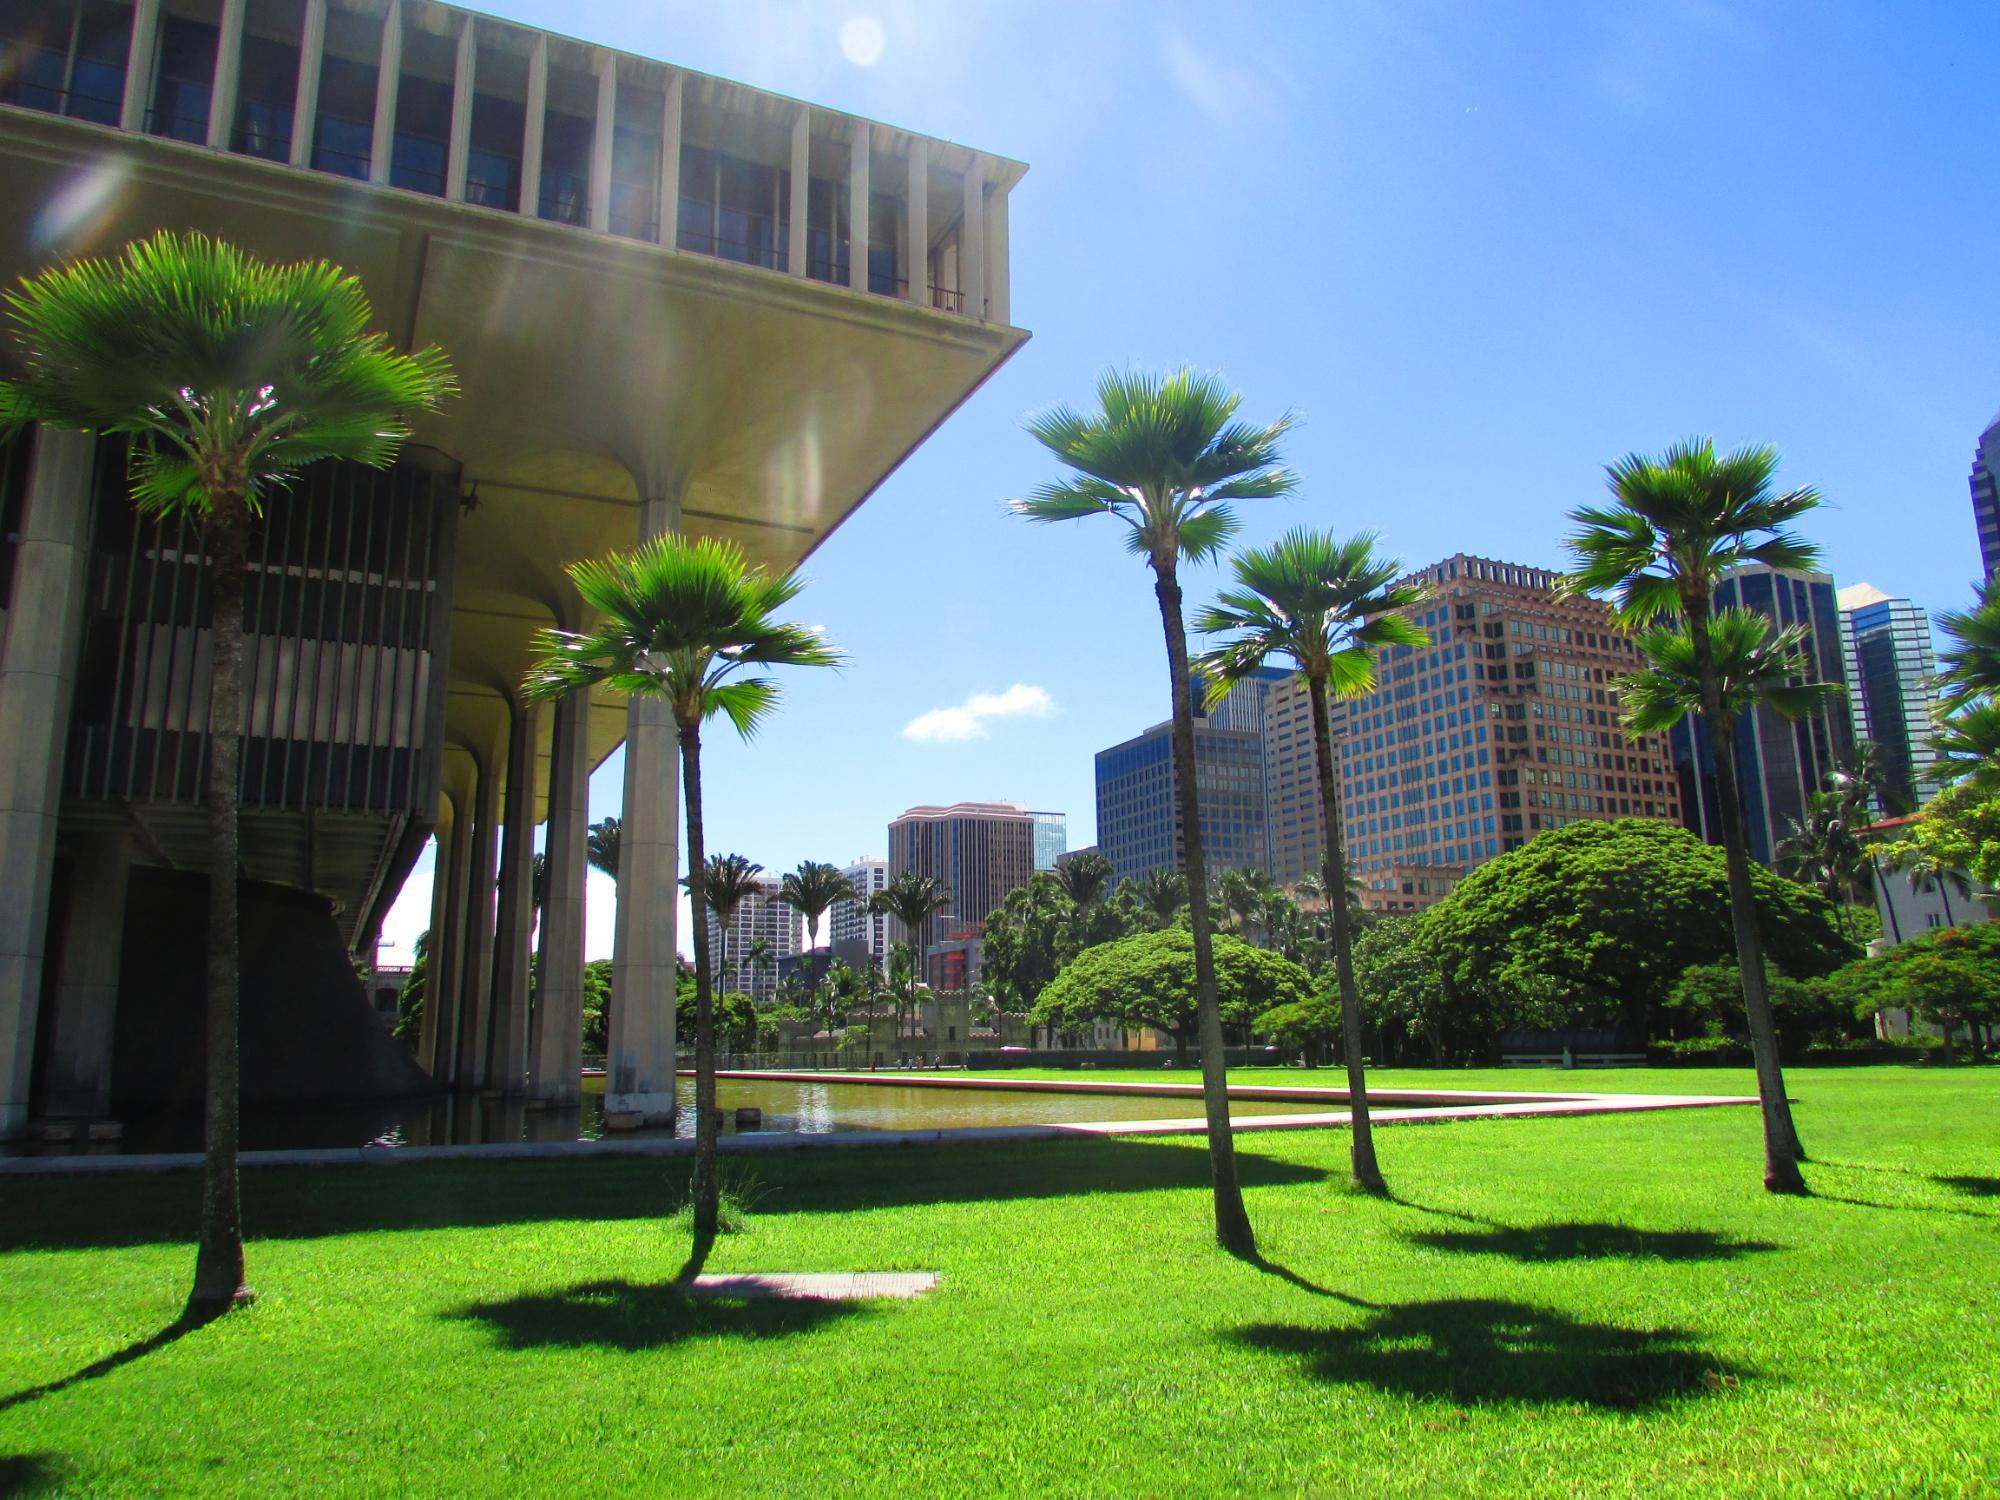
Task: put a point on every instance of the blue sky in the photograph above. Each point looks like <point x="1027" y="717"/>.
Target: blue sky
<point x="1482" y="247"/>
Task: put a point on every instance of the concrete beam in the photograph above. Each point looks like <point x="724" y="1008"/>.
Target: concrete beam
<point x="857" y="207"/>
<point x="139" y="59"/>
<point x="795" y="230"/>
<point x="305" y="102"/>
<point x="536" y="112"/>
<point x="972" y="241"/>
<point x="603" y="137"/>
<point x="670" y="163"/>
<point x="458" y="156"/>
<point x="917" y="222"/>
<point x="388" y="78"/>
<point x="228" y="72"/>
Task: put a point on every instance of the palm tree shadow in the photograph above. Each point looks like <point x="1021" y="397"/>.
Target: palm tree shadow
<point x="630" y="1317"/>
<point x="1978" y="1187"/>
<point x="1486" y="1350"/>
<point x="180" y="1328"/>
<point x="1583" y="1240"/>
<point x="23" y="1474"/>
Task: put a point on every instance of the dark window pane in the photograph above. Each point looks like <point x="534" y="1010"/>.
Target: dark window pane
<point x="423" y="133"/>
<point x="344" y="132"/>
<point x="565" y="195"/>
<point x="268" y="87"/>
<point x="493" y="170"/>
<point x="186" y="69"/>
<point x="97" y="78"/>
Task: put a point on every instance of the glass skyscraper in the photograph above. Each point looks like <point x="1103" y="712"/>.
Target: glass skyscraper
<point x="1986" y="497"/>
<point x="1886" y="649"/>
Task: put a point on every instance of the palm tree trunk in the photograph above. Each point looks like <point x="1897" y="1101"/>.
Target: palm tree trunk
<point x="1782" y="1152"/>
<point x="1895" y="924"/>
<point x="705" y="1189"/>
<point x="1367" y="1173"/>
<point x="218" y="1266"/>
<point x="1232" y="1221"/>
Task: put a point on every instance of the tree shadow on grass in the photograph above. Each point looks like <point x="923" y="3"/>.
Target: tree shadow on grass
<point x="630" y="1317"/>
<point x="24" y="1474"/>
<point x="180" y="1328"/>
<point x="1486" y="1350"/>
<point x="1582" y="1240"/>
<point x="1978" y="1187"/>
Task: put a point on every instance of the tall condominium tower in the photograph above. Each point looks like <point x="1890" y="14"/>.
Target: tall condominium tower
<point x="1780" y="762"/>
<point x="856" y="930"/>
<point x="980" y="850"/>
<point x="1885" y="645"/>
<point x="1138" y="804"/>
<point x="764" y="916"/>
<point x="1505" y="725"/>
<point x="1986" y="497"/>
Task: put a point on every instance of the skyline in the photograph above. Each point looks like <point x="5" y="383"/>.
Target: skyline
<point x="1435" y="231"/>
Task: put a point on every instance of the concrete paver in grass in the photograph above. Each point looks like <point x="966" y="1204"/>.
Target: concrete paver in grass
<point x="826" y="1286"/>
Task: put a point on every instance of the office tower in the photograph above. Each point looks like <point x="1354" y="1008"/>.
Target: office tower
<point x="1780" y="762"/>
<point x="1986" y="497"/>
<point x="857" y="934"/>
<point x="1886" y="650"/>
<point x="1051" y="838"/>
<point x="979" y="850"/>
<point x="1506" y="724"/>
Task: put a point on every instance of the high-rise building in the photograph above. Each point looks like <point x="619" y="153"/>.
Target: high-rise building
<point x="1504" y="725"/>
<point x="1051" y="837"/>
<point x="856" y="933"/>
<point x="1780" y="762"/>
<point x="1138" y="803"/>
<point x="1986" y="497"/>
<point x="979" y="850"/>
<point x="761" y="915"/>
<point x="1294" y="814"/>
<point x="1885" y="645"/>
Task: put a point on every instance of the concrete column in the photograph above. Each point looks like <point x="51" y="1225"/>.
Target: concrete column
<point x="972" y="241"/>
<point x="795" y="239"/>
<point x="305" y="102"/>
<point x="388" y="76"/>
<point x="441" y="1003"/>
<point x="507" y="1055"/>
<point x="458" y="158"/>
<point x="645" y="970"/>
<point x="857" y="208"/>
<point x="37" y="679"/>
<point x="536" y="110"/>
<point x="555" y="1053"/>
<point x="1000" y="305"/>
<point x="917" y="222"/>
<point x="77" y="1078"/>
<point x="670" y="164"/>
<point x="475" y="976"/>
<point x="603" y="137"/>
<point x="228" y="71"/>
<point x="139" y="58"/>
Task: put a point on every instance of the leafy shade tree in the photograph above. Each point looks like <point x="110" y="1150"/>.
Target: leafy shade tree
<point x="410" y="1000"/>
<point x="912" y="898"/>
<point x="1595" y="922"/>
<point x="1949" y="977"/>
<point x="1150" y="980"/>
<point x="1324" y="606"/>
<point x="725" y="883"/>
<point x="1162" y="892"/>
<point x="1165" y="455"/>
<point x="1676" y="526"/>
<point x="683" y="621"/>
<point x="1397" y="974"/>
<point x="229" y="376"/>
<point x="1707" y="1001"/>
<point x="601" y="843"/>
<point x="810" y="890"/>
<point x="597" y="1006"/>
<point x="1959" y="829"/>
<point x="1300" y="1026"/>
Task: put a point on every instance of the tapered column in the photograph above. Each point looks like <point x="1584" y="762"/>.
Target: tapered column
<point x="139" y="65"/>
<point x="507" y="1051"/>
<point x="77" y="1080"/>
<point x="388" y="76"/>
<point x="37" y="680"/>
<point x="305" y="101"/>
<point x="917" y="222"/>
<point x="645" y="970"/>
<point x="435" y="935"/>
<point x="475" y="979"/>
<point x="857" y="208"/>
<point x="795" y="236"/>
<point x="999" y="307"/>
<point x="536" y="112"/>
<point x="603" y="137"/>
<point x="972" y="241"/>
<point x="228" y="71"/>
<point x="447" y="961"/>
<point x="458" y="157"/>
<point x="555" y="1053"/>
<point x="670" y="164"/>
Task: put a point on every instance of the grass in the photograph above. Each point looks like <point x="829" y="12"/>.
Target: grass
<point x="1605" y="1305"/>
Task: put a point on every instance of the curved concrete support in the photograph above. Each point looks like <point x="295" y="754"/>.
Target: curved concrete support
<point x="555" y="1053"/>
<point x="507" y="1051"/>
<point x="476" y="966"/>
<point x="441" y="962"/>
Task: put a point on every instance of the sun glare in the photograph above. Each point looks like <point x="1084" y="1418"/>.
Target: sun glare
<point x="861" y="40"/>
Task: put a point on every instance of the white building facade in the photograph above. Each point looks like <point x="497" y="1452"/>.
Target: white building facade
<point x="760" y="916"/>
<point x="851" y="924"/>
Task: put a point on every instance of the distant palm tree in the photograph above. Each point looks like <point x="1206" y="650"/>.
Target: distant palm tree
<point x="681" y="620"/>
<point x="726" y="882"/>
<point x="1968" y="744"/>
<point x="1867" y="774"/>
<point x="1165" y="455"/>
<point x="602" y="844"/>
<point x="1326" y="607"/>
<point x="1825" y="851"/>
<point x="810" y="890"/>
<point x="229" y="376"/>
<point x="1676" y="527"/>
<point x="1163" y="893"/>
<point x="758" y="955"/>
<point x="1085" y="877"/>
<point x="912" y="899"/>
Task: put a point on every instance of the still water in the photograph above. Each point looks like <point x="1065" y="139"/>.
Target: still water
<point x="797" y="1108"/>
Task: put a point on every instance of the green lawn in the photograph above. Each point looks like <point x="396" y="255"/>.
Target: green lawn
<point x="1598" y="1305"/>
<point x="1544" y="1080"/>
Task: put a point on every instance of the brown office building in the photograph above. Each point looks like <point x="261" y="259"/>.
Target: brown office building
<point x="980" y="850"/>
<point x="1505" y="725"/>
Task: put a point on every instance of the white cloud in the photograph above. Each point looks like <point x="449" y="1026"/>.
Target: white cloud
<point x="944" y="726"/>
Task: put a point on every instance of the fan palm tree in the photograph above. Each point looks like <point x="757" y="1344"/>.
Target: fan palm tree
<point x="601" y="845"/>
<point x="1968" y="745"/>
<point x="229" y="376"/>
<point x="1969" y="666"/>
<point x="1163" y="893"/>
<point x="1824" y="850"/>
<point x="682" y="621"/>
<point x="1326" y="607"/>
<point x="725" y="882"/>
<point x="1085" y="877"/>
<point x="1867" y="774"/>
<point x="1165" y="455"/>
<point x="810" y="890"/>
<point x="912" y="899"/>
<point x="758" y="955"/>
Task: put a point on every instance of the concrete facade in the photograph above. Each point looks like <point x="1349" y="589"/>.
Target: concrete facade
<point x="851" y="924"/>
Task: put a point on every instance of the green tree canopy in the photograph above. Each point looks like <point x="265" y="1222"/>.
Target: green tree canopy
<point x="1148" y="980"/>
<point x="1949" y="977"/>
